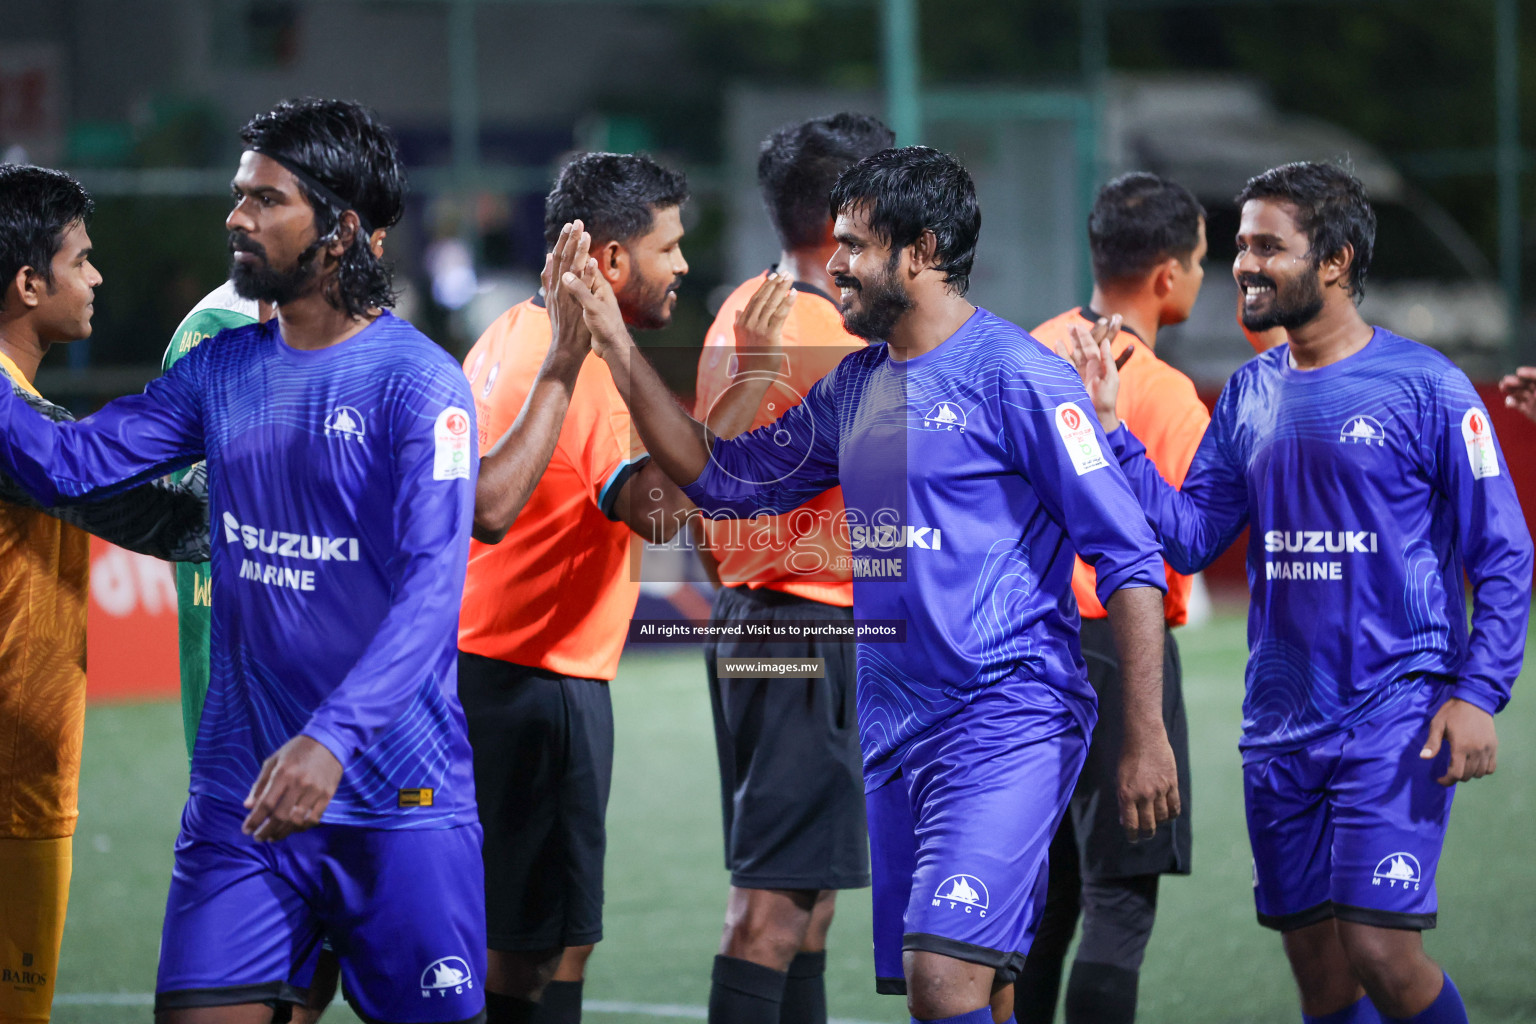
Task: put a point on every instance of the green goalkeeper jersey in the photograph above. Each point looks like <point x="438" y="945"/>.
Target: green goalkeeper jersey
<point x="219" y="310"/>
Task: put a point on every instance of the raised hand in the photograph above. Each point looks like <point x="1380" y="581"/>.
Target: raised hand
<point x="1091" y="355"/>
<point x="759" y="325"/>
<point x="600" y="311"/>
<point x="1520" y="391"/>
<point x="572" y="339"/>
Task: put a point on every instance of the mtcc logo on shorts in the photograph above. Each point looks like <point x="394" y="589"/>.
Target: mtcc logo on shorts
<point x="1398" y="869"/>
<point x="450" y="975"/>
<point x="962" y="891"/>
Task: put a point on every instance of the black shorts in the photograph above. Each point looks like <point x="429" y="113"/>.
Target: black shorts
<point x="543" y="746"/>
<point x="791" y="777"/>
<point x="1103" y="850"/>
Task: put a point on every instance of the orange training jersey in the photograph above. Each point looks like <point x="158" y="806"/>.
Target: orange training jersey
<point x="557" y="593"/>
<point x="804" y="552"/>
<point x="44" y="577"/>
<point x="1159" y="406"/>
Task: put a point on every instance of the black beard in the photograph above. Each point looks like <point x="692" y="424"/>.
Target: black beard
<point x="645" y="308"/>
<point x="885" y="303"/>
<point x="259" y="281"/>
<point x="1292" y="307"/>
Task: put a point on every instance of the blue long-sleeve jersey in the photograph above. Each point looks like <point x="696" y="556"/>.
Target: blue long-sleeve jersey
<point x="341" y="494"/>
<point x="970" y="474"/>
<point x="1370" y="484"/>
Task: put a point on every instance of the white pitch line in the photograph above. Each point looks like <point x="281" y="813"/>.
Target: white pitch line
<point x="104" y="999"/>
<point x="664" y="1010"/>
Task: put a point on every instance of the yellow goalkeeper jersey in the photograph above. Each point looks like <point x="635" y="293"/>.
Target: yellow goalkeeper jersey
<point x="44" y="576"/>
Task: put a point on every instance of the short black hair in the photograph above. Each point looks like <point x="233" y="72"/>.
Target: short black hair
<point x="911" y="190"/>
<point x="1332" y="210"/>
<point x="799" y="163"/>
<point x="614" y="195"/>
<point x="347" y="149"/>
<point x="37" y="206"/>
<point x="1138" y="221"/>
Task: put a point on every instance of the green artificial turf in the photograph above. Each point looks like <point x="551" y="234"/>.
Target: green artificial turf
<point x="1209" y="961"/>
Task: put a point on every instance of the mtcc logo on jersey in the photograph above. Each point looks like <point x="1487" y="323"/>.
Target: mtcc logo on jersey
<point x="945" y="416"/>
<point x="962" y="891"/>
<point x="1363" y="430"/>
<point x="447" y="976"/>
<point x="1398" y="869"/>
<point x="344" y="421"/>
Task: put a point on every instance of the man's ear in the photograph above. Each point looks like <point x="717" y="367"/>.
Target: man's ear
<point x="27" y="287"/>
<point x="1163" y="276"/>
<point x="1335" y="269"/>
<point x="613" y="263"/>
<point x="347" y="227"/>
<point x="924" y="252"/>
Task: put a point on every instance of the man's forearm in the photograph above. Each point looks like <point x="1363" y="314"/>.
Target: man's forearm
<point x="1136" y="618"/>
<point x="511" y="469"/>
<point x="678" y="443"/>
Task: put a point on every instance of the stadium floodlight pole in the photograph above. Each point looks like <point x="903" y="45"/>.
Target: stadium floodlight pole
<point x="464" y="113"/>
<point x="1507" y="73"/>
<point x="903" y="60"/>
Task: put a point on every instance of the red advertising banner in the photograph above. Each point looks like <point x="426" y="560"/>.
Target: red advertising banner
<point x="130" y="626"/>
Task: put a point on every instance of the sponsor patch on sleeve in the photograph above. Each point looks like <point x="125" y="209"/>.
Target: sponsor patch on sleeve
<point x="1478" y="436"/>
<point x="453" y="440"/>
<point x="1077" y="435"/>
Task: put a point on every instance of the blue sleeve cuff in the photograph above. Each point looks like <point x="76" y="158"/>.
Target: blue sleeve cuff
<point x="1480" y="695"/>
<point x="1145" y="573"/>
<point x="341" y="751"/>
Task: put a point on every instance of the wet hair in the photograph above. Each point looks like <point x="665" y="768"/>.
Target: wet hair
<point x="1138" y="221"/>
<point x="37" y="206"/>
<point x="907" y="191"/>
<point x="1332" y="210"/>
<point x="353" y="158"/>
<point x="614" y="195"/>
<point x="799" y="163"/>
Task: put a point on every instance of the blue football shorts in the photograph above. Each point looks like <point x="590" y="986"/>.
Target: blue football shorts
<point x="958" y="839"/>
<point x="403" y="909"/>
<point x="1351" y="826"/>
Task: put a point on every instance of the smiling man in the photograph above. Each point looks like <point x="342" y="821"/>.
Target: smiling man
<point x="331" y="783"/>
<point x="971" y="468"/>
<point x="47" y="297"/>
<point x="1367" y="472"/>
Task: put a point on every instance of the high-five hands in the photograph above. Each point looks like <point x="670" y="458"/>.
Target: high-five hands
<point x="600" y="311"/>
<point x="570" y="259"/>
<point x="1090" y="353"/>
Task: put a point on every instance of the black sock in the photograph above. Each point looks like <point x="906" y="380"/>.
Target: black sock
<point x="805" y="990"/>
<point x="744" y="992"/>
<point x="1101" y="994"/>
<point x="560" y="1004"/>
<point x="500" y="1009"/>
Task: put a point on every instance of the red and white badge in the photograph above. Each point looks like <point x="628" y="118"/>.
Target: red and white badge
<point x="453" y="445"/>
<point x="1082" y="444"/>
<point x="1481" y="452"/>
